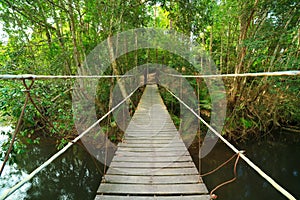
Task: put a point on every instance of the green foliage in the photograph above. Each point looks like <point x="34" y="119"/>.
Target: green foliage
<point x="246" y="123"/>
<point x="62" y="143"/>
<point x="176" y="120"/>
<point x="113" y="138"/>
<point x="54" y="119"/>
<point x="54" y="37"/>
<point x="206" y="104"/>
<point x="18" y="148"/>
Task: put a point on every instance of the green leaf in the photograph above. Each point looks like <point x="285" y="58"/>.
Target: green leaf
<point x="246" y="123"/>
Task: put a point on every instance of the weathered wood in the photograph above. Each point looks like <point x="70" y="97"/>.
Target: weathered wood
<point x="143" y="149"/>
<point x="161" y="189"/>
<point x="152" y="162"/>
<point x="166" y="129"/>
<point x="153" y="159"/>
<point x="189" y="197"/>
<point x="152" y="141"/>
<point x="154" y="137"/>
<point x="153" y="172"/>
<point x="152" y="153"/>
<point x="152" y="165"/>
<point x="152" y="145"/>
<point x="151" y="134"/>
<point x="179" y="179"/>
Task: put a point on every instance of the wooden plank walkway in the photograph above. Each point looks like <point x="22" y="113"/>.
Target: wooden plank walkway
<point x="152" y="162"/>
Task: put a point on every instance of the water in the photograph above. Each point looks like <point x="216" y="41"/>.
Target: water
<point x="278" y="159"/>
<point x="4" y="130"/>
<point x="76" y="175"/>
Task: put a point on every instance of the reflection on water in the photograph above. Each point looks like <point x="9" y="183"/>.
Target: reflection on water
<point x="12" y="173"/>
<point x="3" y="131"/>
<point x="278" y="159"/>
<point x="74" y="175"/>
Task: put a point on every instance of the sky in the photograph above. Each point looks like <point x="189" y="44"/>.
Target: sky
<point x="3" y="35"/>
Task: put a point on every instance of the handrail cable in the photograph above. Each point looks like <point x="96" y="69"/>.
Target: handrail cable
<point x="52" y="158"/>
<point x="247" y="160"/>
<point x="37" y="77"/>
<point x="278" y="73"/>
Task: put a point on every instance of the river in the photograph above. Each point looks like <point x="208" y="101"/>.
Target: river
<point x="76" y="175"/>
<point x="278" y="158"/>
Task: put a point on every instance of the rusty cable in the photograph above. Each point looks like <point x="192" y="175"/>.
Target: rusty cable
<point x="219" y="167"/>
<point x="18" y="126"/>
<point x="213" y="196"/>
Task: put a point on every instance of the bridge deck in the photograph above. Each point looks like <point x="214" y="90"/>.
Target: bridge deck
<point x="152" y="162"/>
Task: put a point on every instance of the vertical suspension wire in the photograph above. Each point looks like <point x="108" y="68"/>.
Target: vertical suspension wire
<point x="107" y="129"/>
<point x="199" y="112"/>
<point x="147" y="71"/>
<point x="106" y="146"/>
<point x="182" y="122"/>
<point x="199" y="128"/>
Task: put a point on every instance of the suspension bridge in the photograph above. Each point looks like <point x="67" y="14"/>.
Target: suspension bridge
<point x="152" y="162"/>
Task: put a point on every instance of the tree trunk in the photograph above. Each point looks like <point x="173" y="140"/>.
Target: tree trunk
<point x="115" y="67"/>
<point x="211" y="41"/>
<point x="76" y="54"/>
<point x="237" y="81"/>
<point x="61" y="42"/>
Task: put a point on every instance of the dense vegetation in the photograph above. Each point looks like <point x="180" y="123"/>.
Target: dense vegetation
<point x="53" y="37"/>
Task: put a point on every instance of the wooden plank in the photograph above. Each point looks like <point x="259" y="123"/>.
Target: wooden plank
<point x="164" y="130"/>
<point x="151" y="154"/>
<point x="169" y="159"/>
<point x="139" y="119"/>
<point x="180" y="179"/>
<point x="151" y="126"/>
<point x="164" y="149"/>
<point x="152" y="145"/>
<point x="167" y="124"/>
<point x="137" y="141"/>
<point x="151" y="141"/>
<point x="154" y="137"/>
<point x="153" y="172"/>
<point x="159" y="189"/>
<point x="162" y="124"/>
<point x="152" y="165"/>
<point x="152" y="162"/>
<point x="189" y="197"/>
<point x="153" y="132"/>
